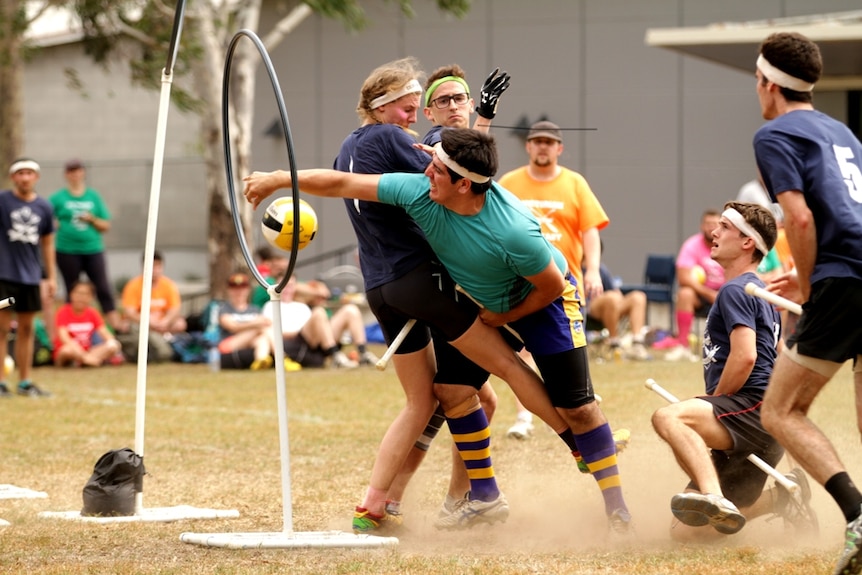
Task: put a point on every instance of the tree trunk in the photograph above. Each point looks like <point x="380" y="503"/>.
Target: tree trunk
<point x="11" y="84"/>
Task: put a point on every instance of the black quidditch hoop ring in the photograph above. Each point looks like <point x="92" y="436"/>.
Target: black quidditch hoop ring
<point x="228" y="161"/>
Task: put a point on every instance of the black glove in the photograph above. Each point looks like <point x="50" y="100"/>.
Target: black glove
<point x="493" y="87"/>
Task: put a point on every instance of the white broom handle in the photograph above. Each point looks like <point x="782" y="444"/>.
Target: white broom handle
<point x="773" y="298"/>
<point x="396" y="343"/>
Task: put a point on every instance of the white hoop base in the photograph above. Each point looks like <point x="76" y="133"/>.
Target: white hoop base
<point x="281" y="540"/>
<point x="8" y="491"/>
<point x="147" y="515"/>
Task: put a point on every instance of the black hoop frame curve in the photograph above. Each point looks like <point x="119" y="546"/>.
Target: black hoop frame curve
<point x="176" y="32"/>
<point x="228" y="161"/>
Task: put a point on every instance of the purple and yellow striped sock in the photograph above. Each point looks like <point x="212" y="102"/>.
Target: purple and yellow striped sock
<point x="472" y="437"/>
<point x="600" y="454"/>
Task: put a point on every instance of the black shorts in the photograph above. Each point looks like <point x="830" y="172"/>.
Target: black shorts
<point x="428" y="295"/>
<point x="27" y="298"/>
<point x="567" y="377"/>
<point x="829" y="327"/>
<point x="297" y="349"/>
<point x="423" y="294"/>
<point x="741" y="481"/>
<point x="454" y="368"/>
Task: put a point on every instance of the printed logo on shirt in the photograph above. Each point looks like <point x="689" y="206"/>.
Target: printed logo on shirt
<point x="25" y="226"/>
<point x="544" y="211"/>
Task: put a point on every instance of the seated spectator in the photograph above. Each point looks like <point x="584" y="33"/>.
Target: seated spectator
<point x="612" y="305"/>
<point x="83" y="339"/>
<point x="308" y="336"/>
<point x="165" y="313"/>
<point x="243" y="327"/>
<point x="347" y="318"/>
<point x="698" y="278"/>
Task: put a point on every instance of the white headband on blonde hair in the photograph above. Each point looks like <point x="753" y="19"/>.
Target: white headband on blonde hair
<point x="24" y="165"/>
<point x="411" y="87"/>
<point x="783" y="79"/>
<point x="737" y="220"/>
<point x="458" y="168"/>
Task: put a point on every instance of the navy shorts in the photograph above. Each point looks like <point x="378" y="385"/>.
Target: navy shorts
<point x="829" y="327"/>
<point x="741" y="481"/>
<point x="27" y="298"/>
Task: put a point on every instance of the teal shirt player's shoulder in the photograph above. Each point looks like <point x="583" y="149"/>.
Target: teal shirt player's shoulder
<point x="489" y="253"/>
<point x="73" y="235"/>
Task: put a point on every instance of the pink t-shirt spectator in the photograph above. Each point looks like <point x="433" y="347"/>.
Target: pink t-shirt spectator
<point x="81" y="326"/>
<point x="694" y="252"/>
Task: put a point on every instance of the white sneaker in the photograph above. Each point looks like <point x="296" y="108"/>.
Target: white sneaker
<point x="620" y="528"/>
<point x="698" y="509"/>
<point x="340" y="360"/>
<point x="638" y="352"/>
<point x="522" y="429"/>
<point x="680" y="353"/>
<point x="451" y="505"/>
<point x="471" y="512"/>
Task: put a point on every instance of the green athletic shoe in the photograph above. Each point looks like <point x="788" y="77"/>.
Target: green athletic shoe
<point x="368" y="523"/>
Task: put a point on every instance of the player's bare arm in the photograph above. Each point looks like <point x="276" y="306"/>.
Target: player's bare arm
<point x="740" y="361"/>
<point x="548" y="285"/>
<point x="317" y="182"/>
<point x="802" y="237"/>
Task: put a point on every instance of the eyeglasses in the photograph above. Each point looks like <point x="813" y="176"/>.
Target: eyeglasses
<point x="443" y="101"/>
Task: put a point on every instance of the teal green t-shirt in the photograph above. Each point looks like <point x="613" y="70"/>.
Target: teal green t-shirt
<point x="489" y="254"/>
<point x="769" y="262"/>
<point x="73" y="235"/>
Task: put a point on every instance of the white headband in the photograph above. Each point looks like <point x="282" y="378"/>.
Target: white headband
<point x="783" y="79"/>
<point x="458" y="168"/>
<point x="737" y="220"/>
<point x="412" y="87"/>
<point x="24" y="165"/>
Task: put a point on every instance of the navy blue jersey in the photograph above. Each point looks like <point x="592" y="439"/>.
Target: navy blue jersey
<point x="22" y="226"/>
<point x="433" y="136"/>
<point x="733" y="308"/>
<point x="807" y="151"/>
<point x="390" y="242"/>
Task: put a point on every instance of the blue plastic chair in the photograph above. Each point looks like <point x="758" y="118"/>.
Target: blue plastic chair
<point x="659" y="283"/>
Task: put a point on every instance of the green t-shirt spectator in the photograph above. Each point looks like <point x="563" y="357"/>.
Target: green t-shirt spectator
<point x="73" y="235"/>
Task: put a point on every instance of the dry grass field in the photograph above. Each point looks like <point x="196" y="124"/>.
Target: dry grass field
<point x="212" y="441"/>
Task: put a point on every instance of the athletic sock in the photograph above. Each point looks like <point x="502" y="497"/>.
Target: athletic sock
<point x="845" y="494"/>
<point x="331" y="350"/>
<point x="569" y="439"/>
<point x="684" y="320"/>
<point x="472" y="437"/>
<point x="25" y="383"/>
<point x="431" y="430"/>
<point x="600" y="454"/>
<point x="361" y="348"/>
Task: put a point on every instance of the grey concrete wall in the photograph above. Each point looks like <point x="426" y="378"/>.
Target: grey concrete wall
<point x="672" y="134"/>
